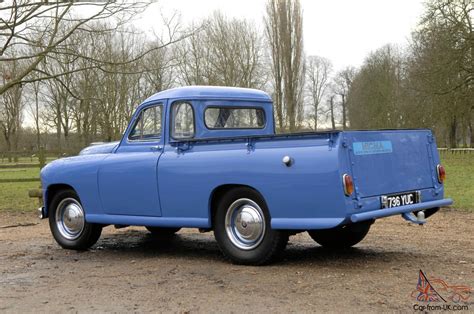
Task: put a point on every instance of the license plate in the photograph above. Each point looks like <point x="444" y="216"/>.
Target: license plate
<point x="396" y="200"/>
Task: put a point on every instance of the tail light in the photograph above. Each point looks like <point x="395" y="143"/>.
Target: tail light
<point x="348" y="184"/>
<point x="441" y="173"/>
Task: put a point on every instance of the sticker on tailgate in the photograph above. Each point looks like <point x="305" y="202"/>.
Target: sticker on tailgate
<point x="370" y="148"/>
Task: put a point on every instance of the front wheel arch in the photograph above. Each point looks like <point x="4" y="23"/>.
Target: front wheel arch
<point x="68" y="224"/>
<point x="51" y="192"/>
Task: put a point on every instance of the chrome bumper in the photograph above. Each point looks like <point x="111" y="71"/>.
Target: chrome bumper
<point x="41" y="213"/>
<point x="385" y="212"/>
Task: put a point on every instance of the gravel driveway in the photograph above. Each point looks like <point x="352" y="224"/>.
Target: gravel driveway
<point x="129" y="270"/>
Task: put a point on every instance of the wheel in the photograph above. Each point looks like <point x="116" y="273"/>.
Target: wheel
<point x="162" y="232"/>
<point x="242" y="229"/>
<point x="67" y="222"/>
<point x="343" y="236"/>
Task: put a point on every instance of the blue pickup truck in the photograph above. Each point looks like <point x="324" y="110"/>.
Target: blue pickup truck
<point x="209" y="158"/>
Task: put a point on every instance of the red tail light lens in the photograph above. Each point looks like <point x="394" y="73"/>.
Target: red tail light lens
<point x="441" y="173"/>
<point x="348" y="184"/>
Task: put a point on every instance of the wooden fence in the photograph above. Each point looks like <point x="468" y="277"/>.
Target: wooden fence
<point x="456" y="150"/>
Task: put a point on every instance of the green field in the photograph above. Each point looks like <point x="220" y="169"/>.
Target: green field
<point x="19" y="173"/>
<point x="459" y="184"/>
<point x="459" y="179"/>
<point x="14" y="196"/>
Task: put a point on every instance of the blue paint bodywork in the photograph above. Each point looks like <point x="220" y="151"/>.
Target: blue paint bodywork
<point x="171" y="183"/>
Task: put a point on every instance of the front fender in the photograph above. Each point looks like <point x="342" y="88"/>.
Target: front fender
<point x="78" y="173"/>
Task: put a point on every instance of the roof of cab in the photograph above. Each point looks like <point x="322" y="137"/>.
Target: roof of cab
<point x="220" y="92"/>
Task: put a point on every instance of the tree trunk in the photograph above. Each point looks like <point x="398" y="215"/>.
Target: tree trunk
<point x="315" y="106"/>
<point x="278" y="104"/>
<point x="9" y="148"/>
<point x="344" y="119"/>
<point x="37" y="126"/>
<point x="452" y="133"/>
<point x="333" y="121"/>
<point x="471" y="134"/>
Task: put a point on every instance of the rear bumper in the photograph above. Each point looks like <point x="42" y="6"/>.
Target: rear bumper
<point x="385" y="212"/>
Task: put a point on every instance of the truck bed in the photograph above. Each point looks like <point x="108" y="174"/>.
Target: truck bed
<point x="408" y="162"/>
<point x="381" y="162"/>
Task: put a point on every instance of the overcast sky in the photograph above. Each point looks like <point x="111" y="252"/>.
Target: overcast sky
<point x="344" y="31"/>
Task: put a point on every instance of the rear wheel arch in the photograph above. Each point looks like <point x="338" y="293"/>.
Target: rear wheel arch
<point x="242" y="228"/>
<point x="222" y="190"/>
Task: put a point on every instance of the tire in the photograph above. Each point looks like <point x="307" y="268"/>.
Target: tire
<point x="162" y="232"/>
<point x="242" y="229"/>
<point x="67" y="222"/>
<point x="343" y="236"/>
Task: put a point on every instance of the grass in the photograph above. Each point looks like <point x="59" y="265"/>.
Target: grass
<point x="459" y="184"/>
<point x="459" y="179"/>
<point x="14" y="196"/>
<point x="19" y="173"/>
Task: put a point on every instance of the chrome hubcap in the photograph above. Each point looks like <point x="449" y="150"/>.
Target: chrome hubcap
<point x="245" y="224"/>
<point x="70" y="218"/>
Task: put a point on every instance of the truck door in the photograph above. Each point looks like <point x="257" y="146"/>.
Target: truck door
<point x="128" y="178"/>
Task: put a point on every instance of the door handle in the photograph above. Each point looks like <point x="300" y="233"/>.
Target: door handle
<point x="156" y="148"/>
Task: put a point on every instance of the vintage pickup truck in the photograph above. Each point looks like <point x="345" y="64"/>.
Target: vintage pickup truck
<point x="209" y="158"/>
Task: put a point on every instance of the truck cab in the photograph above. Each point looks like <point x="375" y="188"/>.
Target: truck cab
<point x="170" y="123"/>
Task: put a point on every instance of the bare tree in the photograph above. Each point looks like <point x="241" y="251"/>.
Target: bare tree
<point x="332" y="112"/>
<point x="284" y="30"/>
<point x="11" y="106"/>
<point x="375" y="95"/>
<point x="318" y="70"/>
<point x="26" y="24"/>
<point x="441" y="68"/>
<point x="160" y="65"/>
<point x="60" y="98"/>
<point x="192" y="58"/>
<point x="272" y="22"/>
<point x="159" y="73"/>
<point x="224" y="52"/>
<point x="342" y="84"/>
<point x="34" y="109"/>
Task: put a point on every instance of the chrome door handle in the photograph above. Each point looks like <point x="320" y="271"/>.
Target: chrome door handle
<point x="156" y="148"/>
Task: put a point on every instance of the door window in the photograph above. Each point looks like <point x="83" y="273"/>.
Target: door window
<point x="148" y="125"/>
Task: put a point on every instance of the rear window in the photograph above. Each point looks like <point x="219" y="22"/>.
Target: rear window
<point x="183" y="120"/>
<point x="234" y="118"/>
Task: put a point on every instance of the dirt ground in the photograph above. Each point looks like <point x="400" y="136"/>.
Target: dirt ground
<point x="128" y="270"/>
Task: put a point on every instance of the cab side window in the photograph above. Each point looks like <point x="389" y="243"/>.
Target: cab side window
<point x="182" y="114"/>
<point x="148" y="125"/>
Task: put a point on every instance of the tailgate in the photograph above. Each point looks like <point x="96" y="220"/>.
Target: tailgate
<point x="385" y="162"/>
